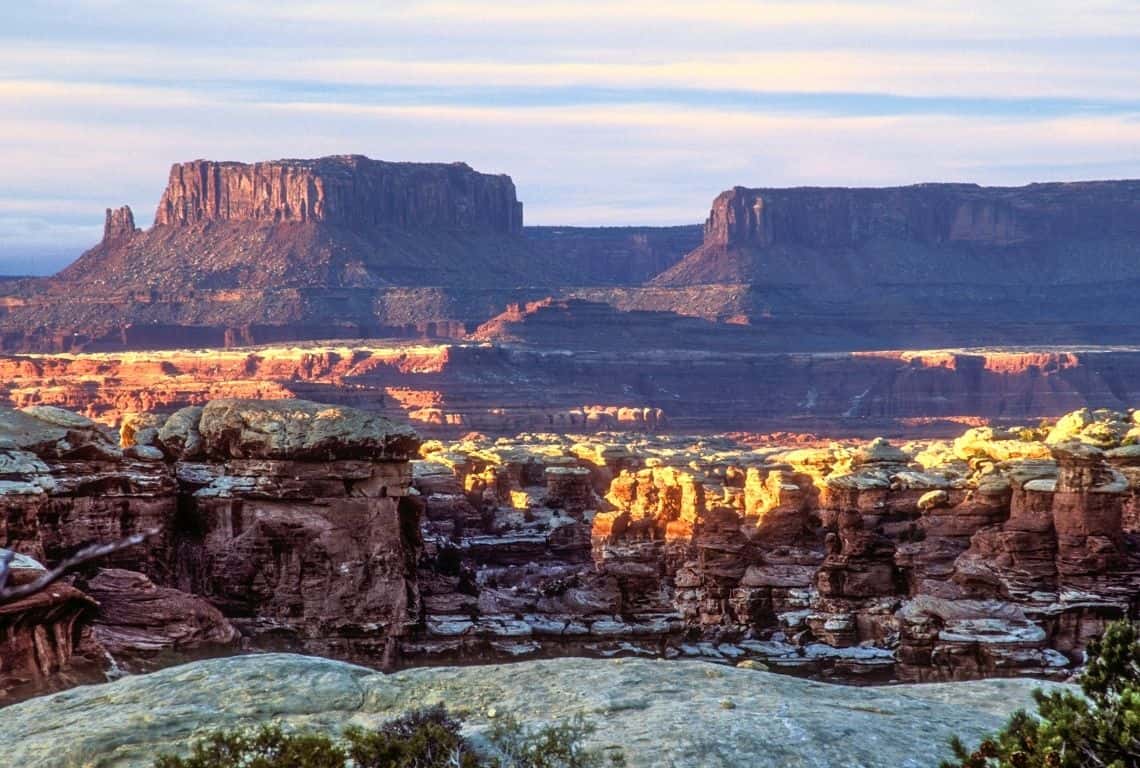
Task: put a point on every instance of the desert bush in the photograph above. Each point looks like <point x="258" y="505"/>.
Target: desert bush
<point x="1100" y="728"/>
<point x="550" y="746"/>
<point x="424" y="738"/>
<point x="267" y="747"/>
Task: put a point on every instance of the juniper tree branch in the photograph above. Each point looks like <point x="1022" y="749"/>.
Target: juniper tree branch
<point x="82" y="557"/>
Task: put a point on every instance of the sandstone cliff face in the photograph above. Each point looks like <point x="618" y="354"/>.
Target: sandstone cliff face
<point x="348" y="190"/>
<point x="504" y="389"/>
<point x="329" y="223"/>
<point x="347" y="247"/>
<point x="927" y="213"/>
<point x="959" y="236"/>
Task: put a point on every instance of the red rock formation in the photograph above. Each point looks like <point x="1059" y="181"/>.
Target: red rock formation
<point x="120" y="223"/>
<point x="45" y="640"/>
<point x="836" y="561"/>
<point x="307" y="527"/>
<point x="335" y="247"/>
<point x="569" y="488"/>
<point x="290" y="517"/>
<point x="348" y="190"/>
<point x="452" y="389"/>
<point x="339" y="246"/>
<point x="298" y="527"/>
<point x="140" y="624"/>
<point x="926" y="213"/>
<point x="952" y="261"/>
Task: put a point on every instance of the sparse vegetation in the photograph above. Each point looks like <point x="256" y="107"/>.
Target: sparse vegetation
<point x="424" y="738"/>
<point x="1099" y="729"/>
<point x="549" y="746"/>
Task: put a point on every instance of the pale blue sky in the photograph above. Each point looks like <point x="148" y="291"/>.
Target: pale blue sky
<point x="632" y="112"/>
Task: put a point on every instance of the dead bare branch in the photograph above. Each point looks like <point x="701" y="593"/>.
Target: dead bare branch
<point x="82" y="557"/>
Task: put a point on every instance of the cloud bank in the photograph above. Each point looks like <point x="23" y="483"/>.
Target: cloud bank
<point x="603" y="112"/>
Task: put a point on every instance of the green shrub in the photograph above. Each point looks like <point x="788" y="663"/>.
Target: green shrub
<point x="1101" y="728"/>
<point x="550" y="746"/>
<point x="424" y="738"/>
<point x="267" y="747"/>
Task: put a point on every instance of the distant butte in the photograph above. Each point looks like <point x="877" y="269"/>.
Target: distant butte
<point x="937" y="233"/>
<point x="348" y="247"/>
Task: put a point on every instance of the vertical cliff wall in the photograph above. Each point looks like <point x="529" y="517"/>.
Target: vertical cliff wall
<point x="840" y="217"/>
<point x="930" y="256"/>
<point x="350" y="190"/>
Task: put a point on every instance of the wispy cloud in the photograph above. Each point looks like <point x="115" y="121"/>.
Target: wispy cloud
<point x="603" y="112"/>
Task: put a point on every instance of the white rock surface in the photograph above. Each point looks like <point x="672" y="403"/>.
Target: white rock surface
<point x="665" y="713"/>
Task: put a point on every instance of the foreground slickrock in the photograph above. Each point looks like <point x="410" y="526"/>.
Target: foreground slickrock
<point x="680" y="714"/>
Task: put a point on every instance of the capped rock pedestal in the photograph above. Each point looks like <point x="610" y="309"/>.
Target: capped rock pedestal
<point x="287" y="521"/>
<point x="300" y="528"/>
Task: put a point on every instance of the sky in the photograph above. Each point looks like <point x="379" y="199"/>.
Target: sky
<point x="602" y="112"/>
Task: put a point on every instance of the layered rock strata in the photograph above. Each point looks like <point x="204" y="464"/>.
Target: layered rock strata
<point x="333" y="247"/>
<point x="287" y="520"/>
<point x="348" y="190"/>
<point x="316" y="527"/>
<point x="348" y="247"/>
<point x="500" y="388"/>
<point x="832" y="224"/>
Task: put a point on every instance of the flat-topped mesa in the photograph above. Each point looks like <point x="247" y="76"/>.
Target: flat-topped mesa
<point x="350" y="190"/>
<point x="840" y="217"/>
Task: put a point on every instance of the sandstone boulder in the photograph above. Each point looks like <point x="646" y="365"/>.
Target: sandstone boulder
<point x="1102" y="428"/>
<point x="301" y="430"/>
<point x="140" y="429"/>
<point x="179" y="434"/>
<point x="138" y="620"/>
<point x="55" y="433"/>
<point x="879" y="451"/>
